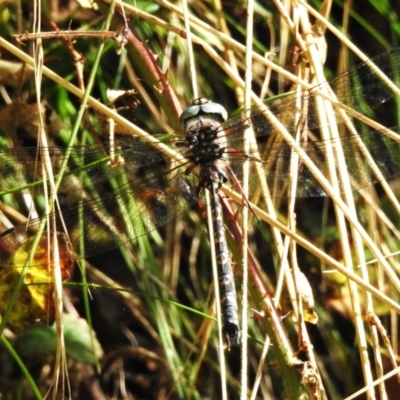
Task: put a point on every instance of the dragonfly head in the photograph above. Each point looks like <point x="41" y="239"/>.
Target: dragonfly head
<point x="200" y="107"/>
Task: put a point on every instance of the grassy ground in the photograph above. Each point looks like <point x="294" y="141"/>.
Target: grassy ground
<point x="321" y="303"/>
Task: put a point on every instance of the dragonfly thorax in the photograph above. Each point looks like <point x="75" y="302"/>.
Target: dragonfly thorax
<point x="207" y="147"/>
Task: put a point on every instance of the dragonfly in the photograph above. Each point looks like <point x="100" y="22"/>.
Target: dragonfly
<point x="145" y="190"/>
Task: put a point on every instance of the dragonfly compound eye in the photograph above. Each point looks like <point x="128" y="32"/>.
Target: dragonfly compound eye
<point x="196" y="110"/>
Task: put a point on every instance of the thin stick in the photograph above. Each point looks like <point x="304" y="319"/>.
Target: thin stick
<point x="189" y="42"/>
<point x="70" y="34"/>
<point x="245" y="211"/>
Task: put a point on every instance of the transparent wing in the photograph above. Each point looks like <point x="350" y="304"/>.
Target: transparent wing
<point x="360" y="153"/>
<point x="138" y="195"/>
<point x="359" y="88"/>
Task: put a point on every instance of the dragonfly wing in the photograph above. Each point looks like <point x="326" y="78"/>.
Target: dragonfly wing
<point x="109" y="221"/>
<point x="270" y="163"/>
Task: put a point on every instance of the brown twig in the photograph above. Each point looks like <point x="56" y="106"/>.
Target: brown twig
<point x="69" y="34"/>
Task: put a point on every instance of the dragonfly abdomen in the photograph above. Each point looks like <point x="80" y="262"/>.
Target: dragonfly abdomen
<point x="227" y="288"/>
